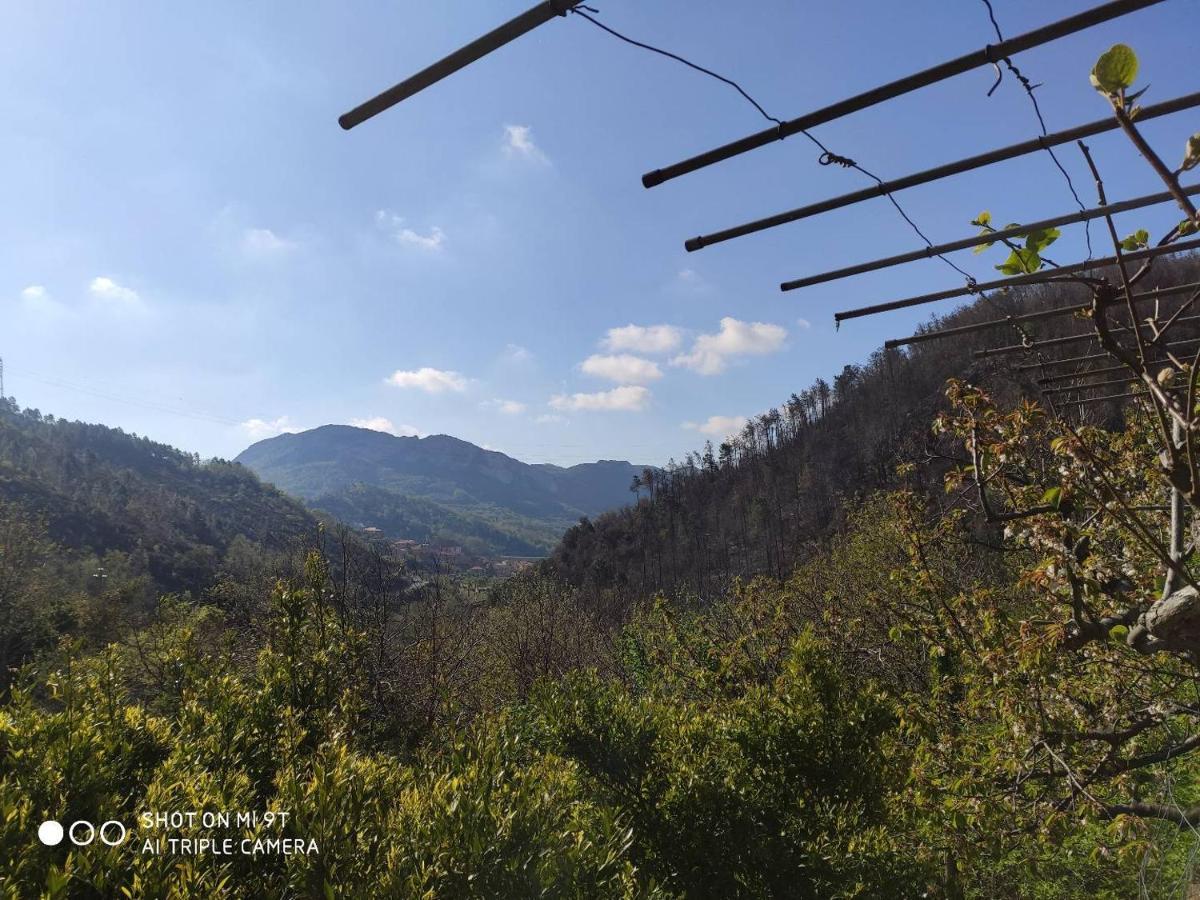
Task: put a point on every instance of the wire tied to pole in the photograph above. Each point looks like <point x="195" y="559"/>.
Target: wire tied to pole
<point x="578" y="10"/>
<point x="832" y="159"/>
<point x="1037" y="109"/>
<point x="827" y="157"/>
<point x="989" y="51"/>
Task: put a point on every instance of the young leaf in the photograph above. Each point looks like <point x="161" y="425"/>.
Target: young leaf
<point x="1038" y="241"/>
<point x="1116" y="69"/>
<point x="1021" y="262"/>
<point x="1191" y="157"/>
<point x="1137" y="240"/>
<point x="984" y="221"/>
<point x="1053" y="497"/>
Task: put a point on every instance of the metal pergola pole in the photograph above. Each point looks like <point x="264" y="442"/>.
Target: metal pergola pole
<point x="1107" y="370"/>
<point x="938" y="172"/>
<point x="956" y="330"/>
<point x="987" y="55"/>
<point x="1094" y="356"/>
<point x="1058" y="341"/>
<point x="977" y="239"/>
<point x="477" y="49"/>
<point x="1033" y="277"/>
<point x="1088" y="387"/>
<point x="1104" y="398"/>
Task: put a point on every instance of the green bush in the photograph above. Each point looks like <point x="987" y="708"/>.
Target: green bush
<point x="486" y="816"/>
<point x="778" y="792"/>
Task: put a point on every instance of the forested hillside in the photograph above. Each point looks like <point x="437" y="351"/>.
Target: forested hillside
<point x="929" y="629"/>
<point x="418" y="519"/>
<point x="925" y="705"/>
<point x="760" y="501"/>
<point x="459" y="493"/>
<point x="170" y="516"/>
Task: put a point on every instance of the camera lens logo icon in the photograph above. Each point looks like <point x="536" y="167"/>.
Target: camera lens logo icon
<point x="82" y="833"/>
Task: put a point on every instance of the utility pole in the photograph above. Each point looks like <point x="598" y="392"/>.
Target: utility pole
<point x="2" y="394"/>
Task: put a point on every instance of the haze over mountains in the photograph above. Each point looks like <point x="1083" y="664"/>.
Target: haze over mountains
<point x="438" y="488"/>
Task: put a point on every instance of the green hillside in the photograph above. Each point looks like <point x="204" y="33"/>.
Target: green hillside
<point x="485" y="530"/>
<point x="101" y="490"/>
<point x="438" y="487"/>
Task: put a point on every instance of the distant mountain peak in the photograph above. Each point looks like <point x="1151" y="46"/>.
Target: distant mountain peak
<point x="329" y="465"/>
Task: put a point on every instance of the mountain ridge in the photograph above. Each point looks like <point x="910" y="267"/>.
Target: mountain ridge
<point x="500" y="503"/>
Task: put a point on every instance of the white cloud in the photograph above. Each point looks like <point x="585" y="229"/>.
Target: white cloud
<point x="804" y="323"/>
<point x="379" y="423"/>
<point x="623" y="368"/>
<point x="689" y="281"/>
<point x="260" y="429"/>
<point x="508" y="407"/>
<point x="393" y="225"/>
<point x="107" y="289"/>
<point x="431" y="242"/>
<point x="263" y="242"/>
<point x="643" y="338"/>
<point x="36" y="301"/>
<point x="718" y="426"/>
<point x="518" y="141"/>
<point x="549" y="418"/>
<point x="432" y="381"/>
<point x="629" y="397"/>
<point x="711" y="352"/>
<point x="515" y="353"/>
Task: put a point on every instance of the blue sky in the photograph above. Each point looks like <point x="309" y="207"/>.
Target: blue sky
<point x="192" y="249"/>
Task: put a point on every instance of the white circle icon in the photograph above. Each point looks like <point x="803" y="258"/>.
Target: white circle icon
<point x="91" y="833"/>
<point x="50" y="833"/>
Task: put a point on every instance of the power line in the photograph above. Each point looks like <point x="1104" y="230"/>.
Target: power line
<point x="145" y="404"/>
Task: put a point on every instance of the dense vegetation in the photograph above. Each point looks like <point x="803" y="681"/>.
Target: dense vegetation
<point x="977" y="680"/>
<point x="916" y="707"/>
<point x="417" y="519"/>
<point x="438" y="488"/>
<point x="761" y="501"/>
<point x="856" y="731"/>
<point x="911" y="711"/>
<point x="127" y="501"/>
